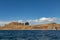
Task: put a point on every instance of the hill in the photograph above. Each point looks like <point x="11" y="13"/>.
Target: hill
<point x="22" y="26"/>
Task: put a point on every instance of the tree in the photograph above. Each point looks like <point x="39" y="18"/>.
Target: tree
<point x="26" y="23"/>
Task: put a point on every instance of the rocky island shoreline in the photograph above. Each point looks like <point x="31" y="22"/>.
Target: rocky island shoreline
<point x="26" y="26"/>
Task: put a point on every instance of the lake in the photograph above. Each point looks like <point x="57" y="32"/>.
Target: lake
<point x="29" y="34"/>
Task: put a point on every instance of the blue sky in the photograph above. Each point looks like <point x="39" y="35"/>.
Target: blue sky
<point x="28" y="9"/>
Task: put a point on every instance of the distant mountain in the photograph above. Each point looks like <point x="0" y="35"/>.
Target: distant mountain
<point x="22" y="26"/>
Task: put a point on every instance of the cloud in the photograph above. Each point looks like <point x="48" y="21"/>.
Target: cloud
<point x="44" y="19"/>
<point x="3" y="23"/>
<point x="35" y="21"/>
<point x="21" y="21"/>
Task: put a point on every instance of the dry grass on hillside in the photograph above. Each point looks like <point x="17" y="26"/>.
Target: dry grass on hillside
<point x="21" y="26"/>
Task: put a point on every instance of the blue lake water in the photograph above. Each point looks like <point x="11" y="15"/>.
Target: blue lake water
<point x="29" y="34"/>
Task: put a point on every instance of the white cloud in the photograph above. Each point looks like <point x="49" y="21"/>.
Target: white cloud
<point x="21" y="21"/>
<point x="3" y="22"/>
<point x="35" y="21"/>
<point x="44" y="20"/>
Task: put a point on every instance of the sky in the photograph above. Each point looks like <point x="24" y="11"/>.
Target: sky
<point x="12" y="10"/>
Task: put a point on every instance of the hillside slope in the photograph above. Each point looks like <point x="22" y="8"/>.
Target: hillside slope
<point x="21" y="26"/>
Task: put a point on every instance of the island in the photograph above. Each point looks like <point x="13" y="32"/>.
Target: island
<point x="26" y="26"/>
